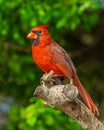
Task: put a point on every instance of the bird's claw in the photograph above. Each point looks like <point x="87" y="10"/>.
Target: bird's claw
<point x="47" y="78"/>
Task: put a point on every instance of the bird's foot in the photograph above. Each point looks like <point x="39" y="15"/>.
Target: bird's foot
<point x="47" y="79"/>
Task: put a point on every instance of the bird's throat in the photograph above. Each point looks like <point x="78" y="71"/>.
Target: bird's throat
<point x="35" y="42"/>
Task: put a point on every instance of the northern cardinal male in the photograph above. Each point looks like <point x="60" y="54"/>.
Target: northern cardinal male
<point x="48" y="55"/>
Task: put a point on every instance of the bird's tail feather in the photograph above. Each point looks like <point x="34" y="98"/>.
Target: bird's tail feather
<point x="85" y="95"/>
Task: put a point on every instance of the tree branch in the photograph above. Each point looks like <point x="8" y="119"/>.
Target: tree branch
<point x="65" y="98"/>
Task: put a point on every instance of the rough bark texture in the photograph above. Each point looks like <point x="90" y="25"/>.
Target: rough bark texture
<point x="65" y="98"/>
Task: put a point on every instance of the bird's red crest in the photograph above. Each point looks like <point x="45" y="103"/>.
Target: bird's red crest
<point x="43" y="26"/>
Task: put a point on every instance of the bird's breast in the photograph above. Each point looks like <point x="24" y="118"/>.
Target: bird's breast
<point x="43" y="57"/>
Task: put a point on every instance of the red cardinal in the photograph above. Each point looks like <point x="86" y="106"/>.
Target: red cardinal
<point x="48" y="55"/>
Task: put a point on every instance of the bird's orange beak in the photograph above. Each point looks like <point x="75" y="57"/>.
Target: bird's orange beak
<point x="32" y="36"/>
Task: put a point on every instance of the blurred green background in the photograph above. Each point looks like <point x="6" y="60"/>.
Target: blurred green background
<point x="77" y="26"/>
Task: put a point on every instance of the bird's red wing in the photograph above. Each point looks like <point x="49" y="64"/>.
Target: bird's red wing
<point x="62" y="60"/>
<point x="64" y="70"/>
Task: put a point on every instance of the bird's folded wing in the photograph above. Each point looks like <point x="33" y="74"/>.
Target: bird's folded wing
<point x="65" y="70"/>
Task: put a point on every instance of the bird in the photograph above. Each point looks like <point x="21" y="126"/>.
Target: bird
<point x="49" y="55"/>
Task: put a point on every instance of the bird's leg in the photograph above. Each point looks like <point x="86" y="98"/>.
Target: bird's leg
<point x="58" y="79"/>
<point x="71" y="81"/>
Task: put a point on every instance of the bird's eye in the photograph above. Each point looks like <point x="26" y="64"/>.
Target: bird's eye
<point x="39" y="31"/>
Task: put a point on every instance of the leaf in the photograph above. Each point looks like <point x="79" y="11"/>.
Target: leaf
<point x="31" y="121"/>
<point x="61" y="23"/>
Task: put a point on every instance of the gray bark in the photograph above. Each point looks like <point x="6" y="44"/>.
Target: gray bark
<point x="65" y="98"/>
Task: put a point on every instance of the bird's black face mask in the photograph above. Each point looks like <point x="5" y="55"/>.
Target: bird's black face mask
<point x="36" y="41"/>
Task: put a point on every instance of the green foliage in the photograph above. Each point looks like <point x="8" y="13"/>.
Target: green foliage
<point x="39" y="117"/>
<point x="18" y="74"/>
<point x="18" y="17"/>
